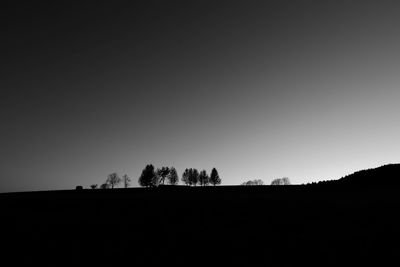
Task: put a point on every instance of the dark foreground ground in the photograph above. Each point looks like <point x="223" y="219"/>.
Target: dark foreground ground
<point x="182" y="226"/>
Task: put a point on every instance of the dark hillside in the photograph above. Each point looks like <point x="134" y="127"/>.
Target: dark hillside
<point x="186" y="226"/>
<point x="384" y="176"/>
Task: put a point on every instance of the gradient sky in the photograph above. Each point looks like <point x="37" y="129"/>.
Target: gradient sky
<point x="303" y="89"/>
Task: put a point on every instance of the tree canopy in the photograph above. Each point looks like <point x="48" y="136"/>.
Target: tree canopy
<point x="162" y="173"/>
<point x="204" y="179"/>
<point x="193" y="176"/>
<point x="173" y="178"/>
<point x="185" y="177"/>
<point x="148" y="176"/>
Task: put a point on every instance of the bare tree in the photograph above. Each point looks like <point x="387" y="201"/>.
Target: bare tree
<point x="276" y="182"/>
<point x="113" y="180"/>
<point x="104" y="186"/>
<point x="254" y="182"/>
<point x="281" y="181"/>
<point x="126" y="180"/>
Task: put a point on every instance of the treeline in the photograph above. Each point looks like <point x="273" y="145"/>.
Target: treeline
<point x="278" y="181"/>
<point x="113" y="180"/>
<point x="152" y="177"/>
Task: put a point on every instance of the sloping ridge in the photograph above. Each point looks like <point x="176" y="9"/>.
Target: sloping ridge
<point x="384" y="176"/>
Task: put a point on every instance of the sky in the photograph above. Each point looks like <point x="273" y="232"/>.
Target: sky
<point x="257" y="89"/>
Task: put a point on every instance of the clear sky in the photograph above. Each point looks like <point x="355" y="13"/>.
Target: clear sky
<point x="303" y="89"/>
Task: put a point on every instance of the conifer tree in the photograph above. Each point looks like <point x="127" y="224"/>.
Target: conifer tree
<point x="185" y="177"/>
<point x="173" y="178"/>
<point x="214" y="177"/>
<point x="193" y="176"/>
<point x="203" y="178"/>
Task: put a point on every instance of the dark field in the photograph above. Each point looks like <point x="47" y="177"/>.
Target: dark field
<point x="268" y="226"/>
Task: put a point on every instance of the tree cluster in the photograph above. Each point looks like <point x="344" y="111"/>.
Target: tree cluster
<point x="152" y="177"/>
<point x="278" y="181"/>
<point x="253" y="182"/>
<point x="112" y="181"/>
<point x="281" y="181"/>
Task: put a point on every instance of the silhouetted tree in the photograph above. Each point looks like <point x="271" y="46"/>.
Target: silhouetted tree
<point x="204" y="179"/>
<point x="93" y="186"/>
<point x="193" y="176"/>
<point x="173" y="178"/>
<point x="254" y="182"/>
<point x="214" y="177"/>
<point x="162" y="174"/>
<point x="286" y="181"/>
<point x="185" y="177"/>
<point x="113" y="180"/>
<point x="126" y="180"/>
<point x="281" y="181"/>
<point x="104" y="186"/>
<point x="276" y="181"/>
<point x="148" y="177"/>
